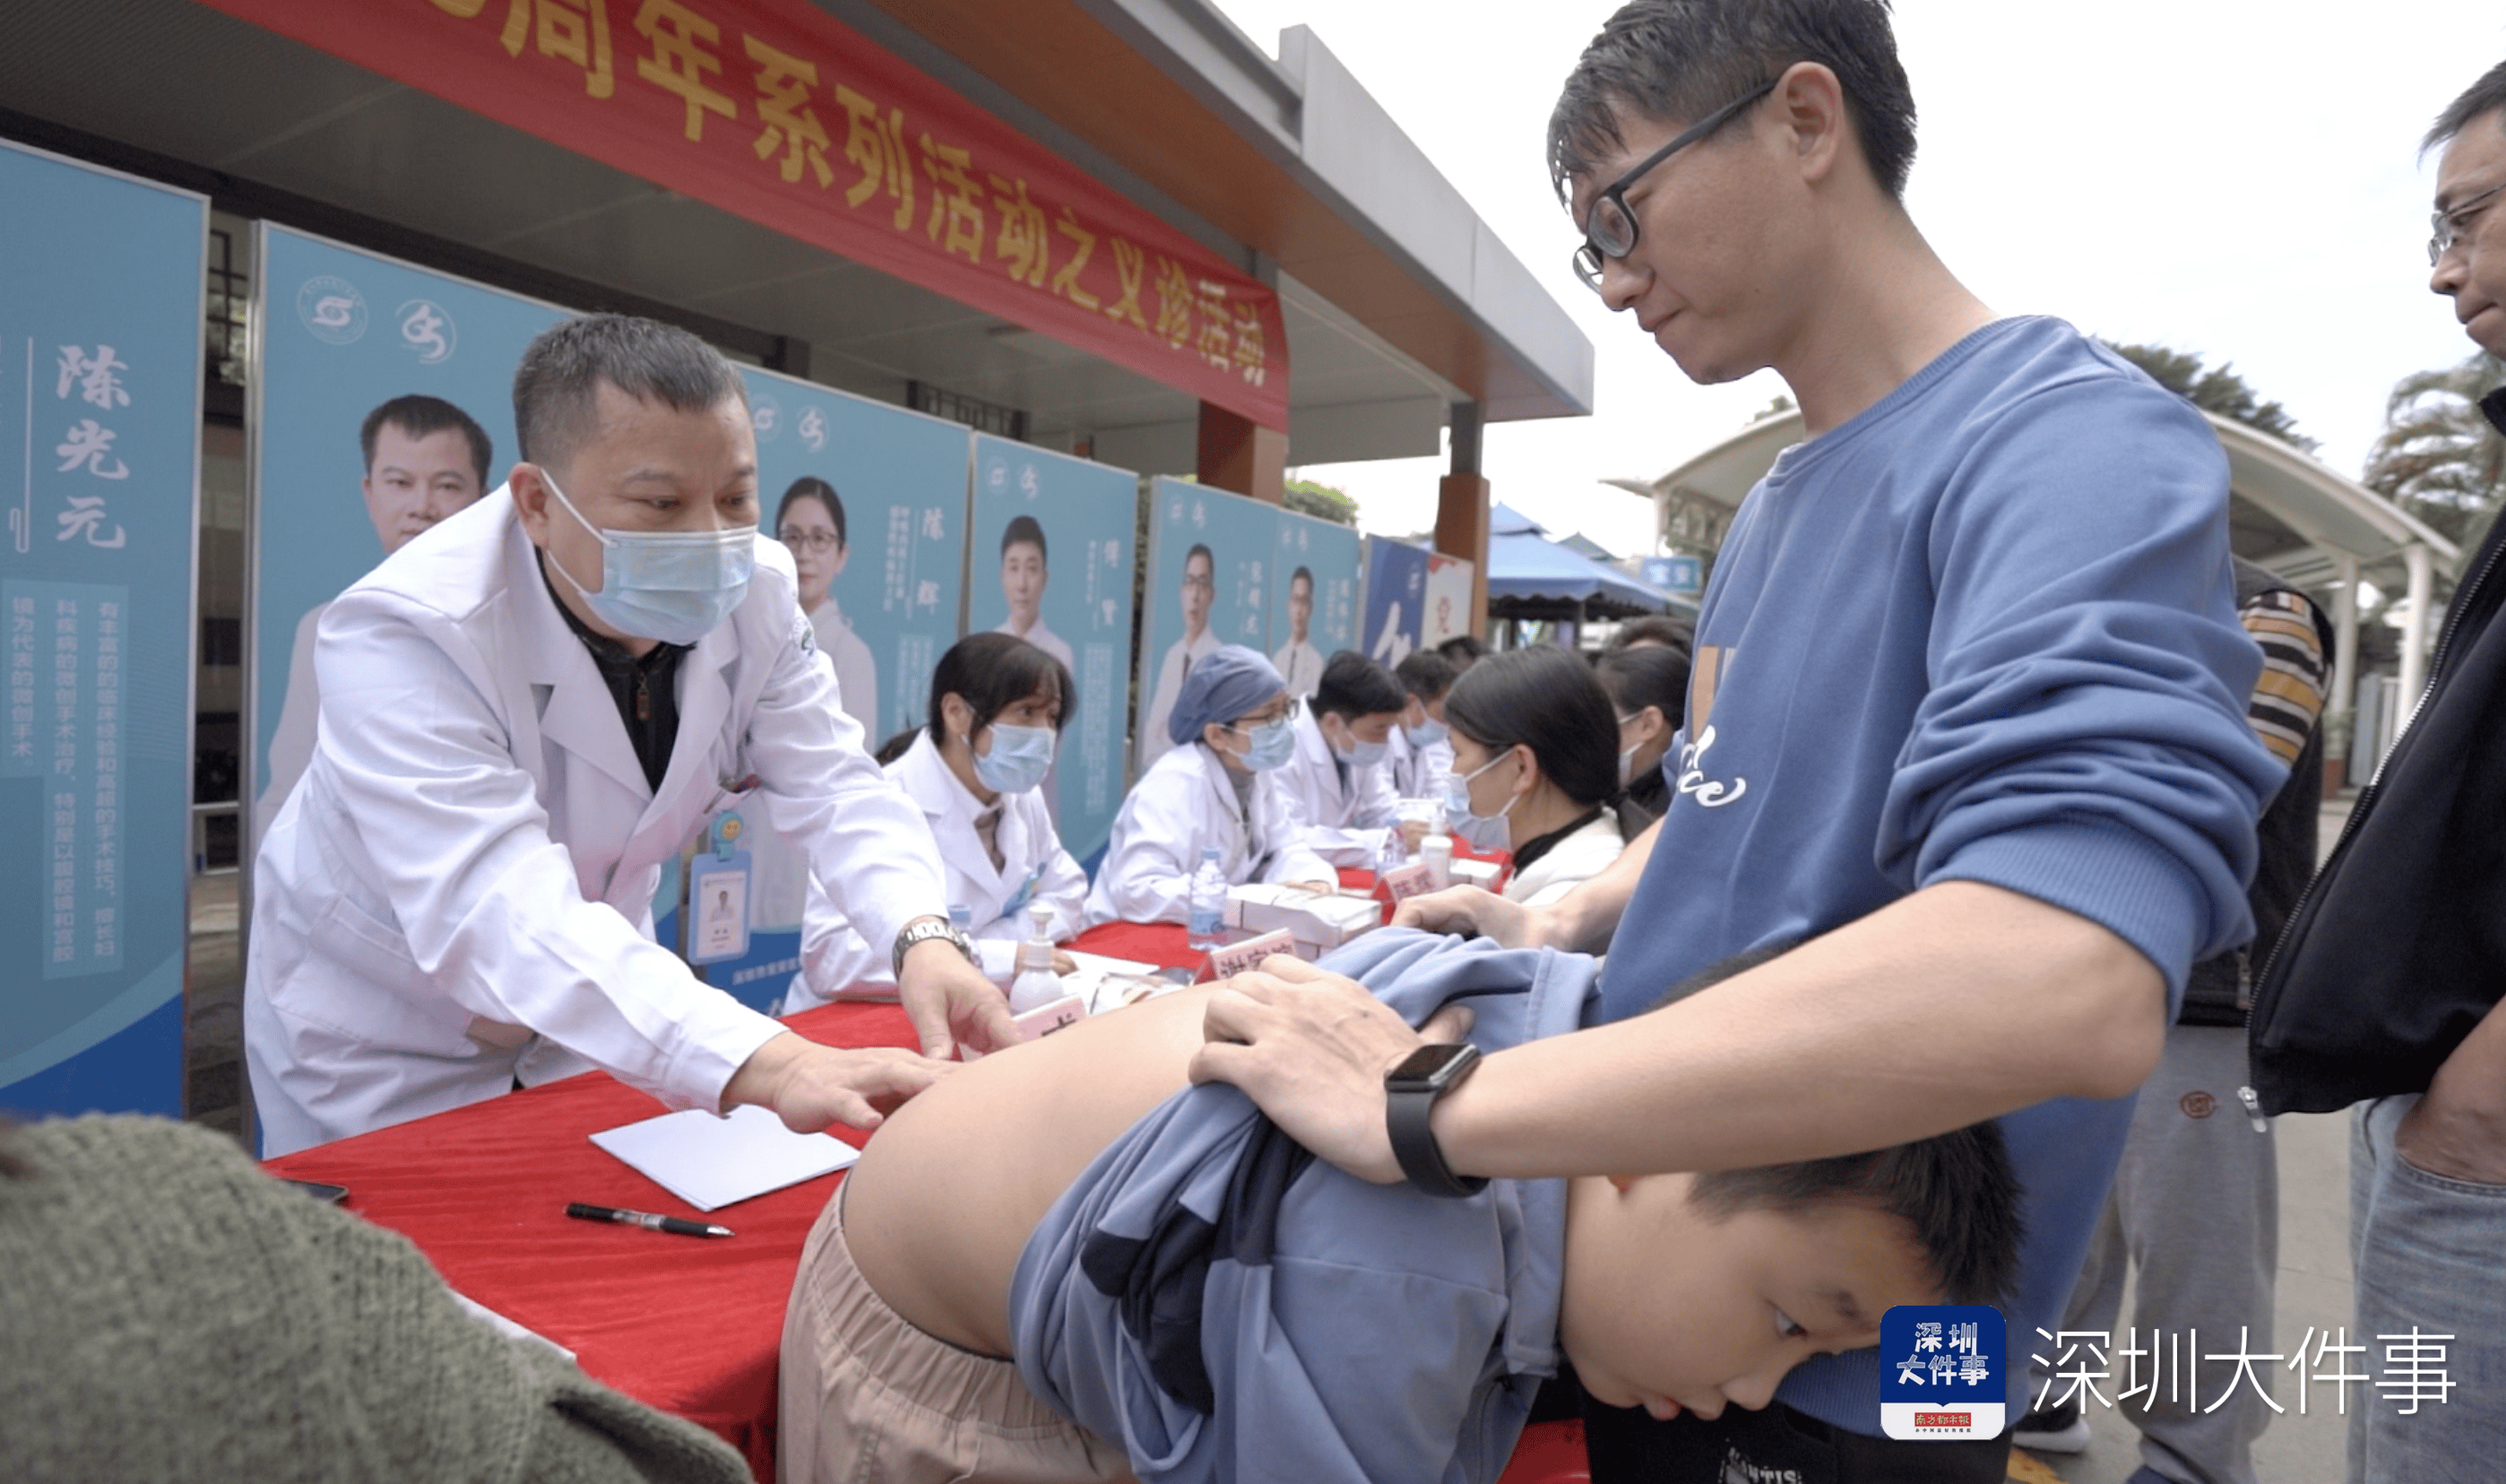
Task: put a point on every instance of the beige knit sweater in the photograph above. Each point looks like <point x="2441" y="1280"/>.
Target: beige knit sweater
<point x="168" y="1313"/>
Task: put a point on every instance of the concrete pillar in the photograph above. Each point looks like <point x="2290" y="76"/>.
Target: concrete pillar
<point x="1240" y="454"/>
<point x="1462" y="509"/>
<point x="2339" y="701"/>
<point x="2414" y="630"/>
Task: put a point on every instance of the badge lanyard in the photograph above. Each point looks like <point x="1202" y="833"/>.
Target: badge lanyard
<point x="717" y="921"/>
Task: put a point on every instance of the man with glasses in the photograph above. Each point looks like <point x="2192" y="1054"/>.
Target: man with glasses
<point x="2383" y="993"/>
<point x="1200" y="586"/>
<point x="1965" y="713"/>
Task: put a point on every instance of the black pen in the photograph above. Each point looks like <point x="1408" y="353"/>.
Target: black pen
<point x="676" y="1226"/>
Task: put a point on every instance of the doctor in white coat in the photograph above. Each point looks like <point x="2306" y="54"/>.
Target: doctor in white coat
<point x="1335" y="786"/>
<point x="1217" y="787"/>
<point x="1418" y="753"/>
<point x="977" y="770"/>
<point x="524" y="713"/>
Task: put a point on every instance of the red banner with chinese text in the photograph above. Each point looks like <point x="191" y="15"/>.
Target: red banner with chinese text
<point x="776" y="111"/>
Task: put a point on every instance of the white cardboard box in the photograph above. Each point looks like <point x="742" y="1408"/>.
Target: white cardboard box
<point x="1319" y="921"/>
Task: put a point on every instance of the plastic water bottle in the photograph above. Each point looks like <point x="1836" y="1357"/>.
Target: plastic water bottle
<point x="1206" y="923"/>
<point x="1036" y="984"/>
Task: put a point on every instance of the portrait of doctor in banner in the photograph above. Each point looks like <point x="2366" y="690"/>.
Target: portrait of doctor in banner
<point x="425" y="459"/>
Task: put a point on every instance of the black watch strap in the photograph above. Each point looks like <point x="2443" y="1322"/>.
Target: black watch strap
<point x="1406" y="1114"/>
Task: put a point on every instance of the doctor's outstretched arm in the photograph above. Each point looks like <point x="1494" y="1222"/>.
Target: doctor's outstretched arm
<point x="811" y="1086"/>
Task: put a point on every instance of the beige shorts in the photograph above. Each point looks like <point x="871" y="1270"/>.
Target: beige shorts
<point x="867" y="1398"/>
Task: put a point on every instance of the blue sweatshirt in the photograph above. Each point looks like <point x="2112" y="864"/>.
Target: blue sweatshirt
<point x="1983" y="631"/>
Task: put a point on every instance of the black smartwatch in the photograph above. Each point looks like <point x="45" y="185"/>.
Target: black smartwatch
<point x="1409" y="1093"/>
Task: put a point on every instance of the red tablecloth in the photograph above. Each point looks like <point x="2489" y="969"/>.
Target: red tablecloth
<point x="690" y="1325"/>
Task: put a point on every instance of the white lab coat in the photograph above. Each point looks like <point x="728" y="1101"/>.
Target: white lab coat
<point x="291" y="744"/>
<point x="1180" y="657"/>
<point x="1048" y="641"/>
<point x="856" y="672"/>
<point x="1588" y="852"/>
<point x="1034" y="868"/>
<point x="1412" y="771"/>
<point x="1345" y="823"/>
<point x="1182" y="804"/>
<point x="459" y="891"/>
<point x="1301" y="666"/>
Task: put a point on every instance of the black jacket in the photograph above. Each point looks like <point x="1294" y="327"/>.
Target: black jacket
<point x="2220" y="990"/>
<point x="2399" y="948"/>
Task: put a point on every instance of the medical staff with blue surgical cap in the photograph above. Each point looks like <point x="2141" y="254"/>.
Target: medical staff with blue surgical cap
<point x="526" y="712"/>
<point x="1217" y="789"/>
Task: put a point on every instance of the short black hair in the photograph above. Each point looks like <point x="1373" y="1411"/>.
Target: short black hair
<point x="991" y="672"/>
<point x="559" y="380"/>
<point x="1677" y="60"/>
<point x="1424" y="674"/>
<point x="1545" y="698"/>
<point x="1025" y="528"/>
<point x="1304" y="575"/>
<point x="811" y="487"/>
<point x="1200" y="548"/>
<point x="422" y="416"/>
<point x="1647" y="675"/>
<point x="2486" y="97"/>
<point x="1650" y="629"/>
<point x="1353" y="685"/>
<point x="1956" y="1191"/>
<point x="1463" y="651"/>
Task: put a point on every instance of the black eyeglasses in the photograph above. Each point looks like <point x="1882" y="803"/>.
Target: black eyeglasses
<point x="1609" y="226"/>
<point x="2446" y="228"/>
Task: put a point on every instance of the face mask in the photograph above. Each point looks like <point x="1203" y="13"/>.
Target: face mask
<point x="1426" y="733"/>
<point x="1019" y="758"/>
<point x="1361" y="754"/>
<point x="675" y="586"/>
<point x="1273" y="745"/>
<point x="1482" y="831"/>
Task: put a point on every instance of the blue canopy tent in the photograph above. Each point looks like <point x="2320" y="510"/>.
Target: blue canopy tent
<point x="1531" y="578"/>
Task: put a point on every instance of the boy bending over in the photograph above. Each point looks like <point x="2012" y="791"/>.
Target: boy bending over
<point x="1065" y="1263"/>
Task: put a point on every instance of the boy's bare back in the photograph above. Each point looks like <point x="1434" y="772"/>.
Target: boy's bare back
<point x="947" y="1194"/>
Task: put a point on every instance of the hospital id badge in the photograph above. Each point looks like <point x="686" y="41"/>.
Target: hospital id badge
<point x="718" y="897"/>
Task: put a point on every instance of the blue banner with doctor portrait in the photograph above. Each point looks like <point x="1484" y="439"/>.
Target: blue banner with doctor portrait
<point x="1052" y="562"/>
<point x="101" y="366"/>
<point x="1313" y="604"/>
<point x="1210" y="556"/>
<point x="348" y="338"/>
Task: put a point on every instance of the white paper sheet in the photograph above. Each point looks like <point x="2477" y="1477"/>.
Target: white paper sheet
<point x="711" y="1162"/>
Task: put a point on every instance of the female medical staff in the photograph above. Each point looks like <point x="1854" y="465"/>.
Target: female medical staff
<point x="1217" y="792"/>
<point x="997" y="703"/>
<point x="811" y="521"/>
<point x="1536" y="770"/>
<point x="1648" y="688"/>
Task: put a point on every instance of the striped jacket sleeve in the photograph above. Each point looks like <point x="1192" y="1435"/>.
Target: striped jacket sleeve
<point x="2288" y="699"/>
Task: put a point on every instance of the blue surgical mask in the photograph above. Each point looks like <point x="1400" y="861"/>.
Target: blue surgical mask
<point x="676" y="587"/>
<point x="1482" y="831"/>
<point x="1019" y="758"/>
<point x="1426" y="733"/>
<point x="1359" y="754"/>
<point x="1273" y="745"/>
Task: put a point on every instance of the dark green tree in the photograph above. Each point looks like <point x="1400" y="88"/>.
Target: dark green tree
<point x="2438" y="457"/>
<point x="1322" y="500"/>
<point x="2215" y="389"/>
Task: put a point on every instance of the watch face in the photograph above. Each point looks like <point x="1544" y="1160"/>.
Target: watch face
<point x="1427" y="1068"/>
